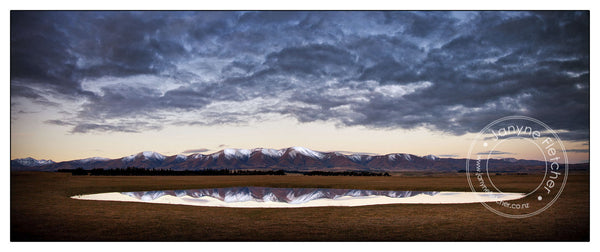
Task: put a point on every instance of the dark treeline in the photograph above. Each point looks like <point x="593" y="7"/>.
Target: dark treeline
<point x="345" y="173"/>
<point x="134" y="171"/>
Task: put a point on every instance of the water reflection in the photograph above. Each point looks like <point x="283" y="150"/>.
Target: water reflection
<point x="269" y="194"/>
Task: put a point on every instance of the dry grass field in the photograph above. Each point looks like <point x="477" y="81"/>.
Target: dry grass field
<point x="42" y="210"/>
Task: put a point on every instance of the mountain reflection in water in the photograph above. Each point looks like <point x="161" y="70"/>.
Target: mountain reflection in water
<point x="269" y="194"/>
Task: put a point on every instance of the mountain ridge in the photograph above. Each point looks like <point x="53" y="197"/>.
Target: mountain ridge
<point x="290" y="159"/>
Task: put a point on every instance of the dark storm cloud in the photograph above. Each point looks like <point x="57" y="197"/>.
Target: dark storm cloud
<point x="121" y="127"/>
<point x="38" y="52"/>
<point x="125" y="44"/>
<point x="31" y="94"/>
<point x="123" y="101"/>
<point x="313" y="61"/>
<point x="448" y="71"/>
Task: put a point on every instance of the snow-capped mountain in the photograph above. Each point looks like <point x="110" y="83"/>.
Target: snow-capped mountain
<point x="305" y="152"/>
<point x="181" y="157"/>
<point x="237" y="153"/>
<point x="145" y="155"/>
<point x="290" y="159"/>
<point x="271" y="152"/>
<point x="30" y="162"/>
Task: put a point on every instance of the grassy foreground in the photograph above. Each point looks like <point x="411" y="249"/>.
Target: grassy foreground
<point x="41" y="209"/>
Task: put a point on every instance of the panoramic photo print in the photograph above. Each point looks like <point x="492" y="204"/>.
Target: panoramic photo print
<point x="299" y="125"/>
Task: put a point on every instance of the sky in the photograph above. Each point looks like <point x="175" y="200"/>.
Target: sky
<point x="111" y="84"/>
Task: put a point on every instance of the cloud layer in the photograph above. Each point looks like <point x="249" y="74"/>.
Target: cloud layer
<point x="446" y="71"/>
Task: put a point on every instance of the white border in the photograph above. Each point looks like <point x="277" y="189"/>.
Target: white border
<point x="306" y="4"/>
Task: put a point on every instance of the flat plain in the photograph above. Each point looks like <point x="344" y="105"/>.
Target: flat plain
<point x="41" y="210"/>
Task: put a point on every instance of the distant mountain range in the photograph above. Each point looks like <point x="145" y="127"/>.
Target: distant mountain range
<point x="29" y="162"/>
<point x="290" y="159"/>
